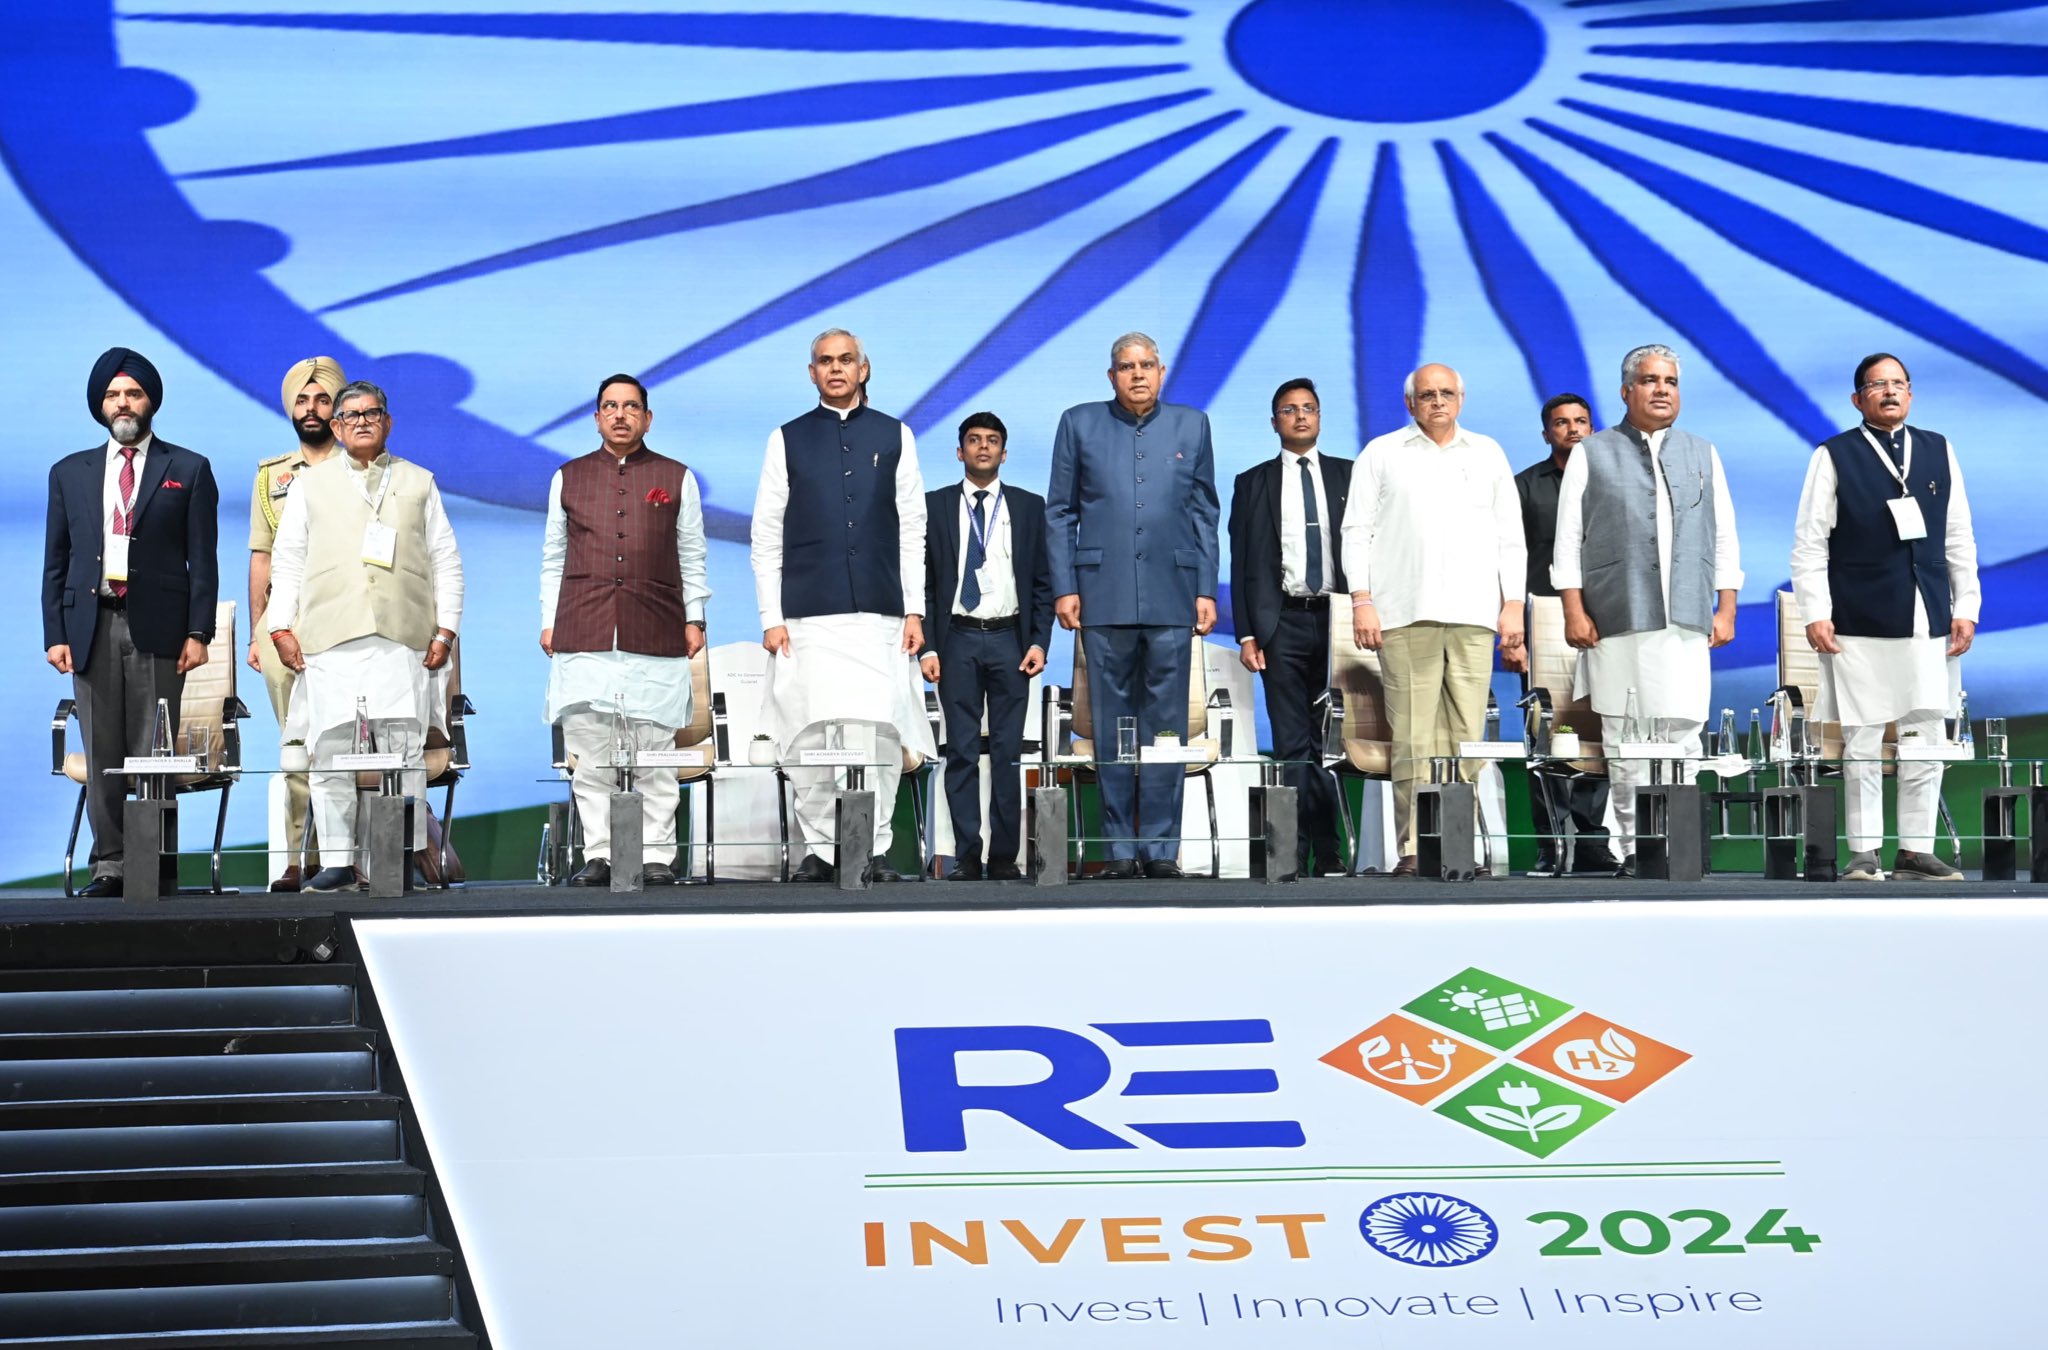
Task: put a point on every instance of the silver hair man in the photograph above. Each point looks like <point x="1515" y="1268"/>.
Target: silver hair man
<point x="1633" y="362"/>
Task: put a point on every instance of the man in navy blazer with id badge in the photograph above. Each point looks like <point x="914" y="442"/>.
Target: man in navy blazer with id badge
<point x="130" y="579"/>
<point x="988" y="621"/>
<point x="1130" y="520"/>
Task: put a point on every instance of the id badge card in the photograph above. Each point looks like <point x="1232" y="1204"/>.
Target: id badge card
<point x="380" y="544"/>
<point x="1906" y="515"/>
<point x="117" y="557"/>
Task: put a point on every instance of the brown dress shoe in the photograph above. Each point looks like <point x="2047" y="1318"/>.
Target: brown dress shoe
<point x="288" y="882"/>
<point x="1405" y="867"/>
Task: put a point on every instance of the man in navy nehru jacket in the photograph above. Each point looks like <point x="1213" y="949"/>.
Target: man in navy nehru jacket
<point x="838" y="554"/>
<point x="1130" y="519"/>
<point x="1884" y="568"/>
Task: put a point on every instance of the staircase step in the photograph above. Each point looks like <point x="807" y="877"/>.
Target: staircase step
<point x="234" y="1109"/>
<point x="109" y="1149"/>
<point x="289" y="1218"/>
<point x="210" y="1183"/>
<point x="186" y="1076"/>
<point x="100" y="978"/>
<point x="177" y="1006"/>
<point x="25" y="1046"/>
<point x="389" y="1336"/>
<point x="219" y="1308"/>
<point x="236" y="1263"/>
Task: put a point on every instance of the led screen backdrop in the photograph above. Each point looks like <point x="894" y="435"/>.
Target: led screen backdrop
<point x="486" y="208"/>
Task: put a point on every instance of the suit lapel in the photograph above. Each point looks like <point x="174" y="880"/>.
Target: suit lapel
<point x="1274" y="486"/>
<point x="154" y="471"/>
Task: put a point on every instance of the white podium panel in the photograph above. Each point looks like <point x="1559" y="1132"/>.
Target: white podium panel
<point x="1759" y="1124"/>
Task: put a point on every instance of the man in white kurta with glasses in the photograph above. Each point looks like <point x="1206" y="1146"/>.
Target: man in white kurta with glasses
<point x="1884" y="569"/>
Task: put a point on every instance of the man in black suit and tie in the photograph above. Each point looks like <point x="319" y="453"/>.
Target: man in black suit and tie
<point x="1285" y="563"/>
<point x="988" y="620"/>
<point x="129" y="584"/>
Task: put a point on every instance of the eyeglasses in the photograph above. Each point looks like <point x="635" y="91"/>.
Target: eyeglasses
<point x="1296" y="409"/>
<point x="355" y="415"/>
<point x="1883" y="386"/>
<point x="612" y="405"/>
<point x="1436" y="396"/>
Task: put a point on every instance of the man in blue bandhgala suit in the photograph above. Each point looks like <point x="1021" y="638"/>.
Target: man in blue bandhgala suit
<point x="130" y="580"/>
<point x="1130" y="518"/>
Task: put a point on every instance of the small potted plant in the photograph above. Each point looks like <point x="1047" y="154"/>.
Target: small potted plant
<point x="761" y="751"/>
<point x="292" y="757"/>
<point x="1564" y="742"/>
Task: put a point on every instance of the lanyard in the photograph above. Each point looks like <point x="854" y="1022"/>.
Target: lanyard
<point x="981" y="532"/>
<point x="1901" y="472"/>
<point x="376" y="504"/>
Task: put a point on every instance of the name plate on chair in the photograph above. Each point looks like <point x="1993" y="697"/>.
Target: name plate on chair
<point x="160" y="764"/>
<point x="1490" y="750"/>
<point x="822" y="757"/>
<point x="1173" y="754"/>
<point x="1934" y="750"/>
<point x="380" y="760"/>
<point x="691" y="758"/>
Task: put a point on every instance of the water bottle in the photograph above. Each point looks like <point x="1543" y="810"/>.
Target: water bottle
<point x="1724" y="744"/>
<point x="364" y="740"/>
<point x="622" y="742"/>
<point x="1756" y="737"/>
<point x="1780" y="728"/>
<point x="160" y="738"/>
<point x="1963" y="736"/>
<point x="1632" y="717"/>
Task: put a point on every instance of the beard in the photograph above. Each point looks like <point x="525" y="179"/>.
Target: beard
<point x="128" y="428"/>
<point x="319" y="433"/>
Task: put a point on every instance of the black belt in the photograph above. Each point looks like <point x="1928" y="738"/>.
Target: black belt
<point x="116" y="603"/>
<point x="1304" y="602"/>
<point x="984" y="625"/>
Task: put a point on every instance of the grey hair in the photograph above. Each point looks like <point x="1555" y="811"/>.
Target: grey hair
<point x="356" y="389"/>
<point x="1633" y="362"/>
<point x="1132" y="339"/>
<point x="1408" y="385"/>
<point x="860" y="353"/>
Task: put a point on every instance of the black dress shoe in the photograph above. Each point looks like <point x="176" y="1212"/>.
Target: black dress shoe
<point x="1005" y="871"/>
<point x="1162" y="869"/>
<point x="1593" y="858"/>
<point x="965" y="869"/>
<point x="814" y="868"/>
<point x="879" y="870"/>
<point x="596" y="872"/>
<point x="657" y="874"/>
<point x="1119" y="869"/>
<point x="1546" y="865"/>
<point x="1626" y="869"/>
<point x="100" y="888"/>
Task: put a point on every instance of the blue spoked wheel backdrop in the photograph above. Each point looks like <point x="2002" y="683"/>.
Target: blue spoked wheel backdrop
<point x="485" y="209"/>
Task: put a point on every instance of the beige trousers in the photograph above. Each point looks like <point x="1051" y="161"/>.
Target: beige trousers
<point x="1436" y="677"/>
<point x="278" y="679"/>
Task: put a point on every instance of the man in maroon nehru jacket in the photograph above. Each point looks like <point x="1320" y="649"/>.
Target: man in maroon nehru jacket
<point x="622" y="594"/>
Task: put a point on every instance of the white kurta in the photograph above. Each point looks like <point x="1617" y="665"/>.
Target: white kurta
<point x="1669" y="667"/>
<point x="656" y="688"/>
<point x="1878" y="680"/>
<point x="841" y="667"/>
<point x="391" y="677"/>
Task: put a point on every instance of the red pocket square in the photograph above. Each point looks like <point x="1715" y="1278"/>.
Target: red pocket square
<point x="172" y="483"/>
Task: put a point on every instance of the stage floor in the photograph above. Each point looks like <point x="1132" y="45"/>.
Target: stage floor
<point x="730" y="897"/>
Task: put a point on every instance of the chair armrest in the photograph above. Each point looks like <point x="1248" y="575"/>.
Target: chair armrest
<point x="934" y="714"/>
<point x="232" y="711"/>
<point x="58" y="721"/>
<point x="561" y="748"/>
<point x="459" y="707"/>
<point x="1329" y="709"/>
<point x="1538" y="715"/>
<point x="1492" y="716"/>
<point x="721" y="729"/>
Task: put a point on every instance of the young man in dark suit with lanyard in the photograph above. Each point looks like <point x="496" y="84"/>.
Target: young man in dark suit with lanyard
<point x="1285" y="563"/>
<point x="130" y="579"/>
<point x="988" y="608"/>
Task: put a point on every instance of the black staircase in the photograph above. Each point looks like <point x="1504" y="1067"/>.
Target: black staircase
<point x="213" y="1152"/>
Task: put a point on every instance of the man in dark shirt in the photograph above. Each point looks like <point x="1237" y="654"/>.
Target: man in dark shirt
<point x="1567" y="420"/>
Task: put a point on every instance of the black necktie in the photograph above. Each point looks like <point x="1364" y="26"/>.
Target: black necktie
<point x="977" y="553"/>
<point x="1314" y="529"/>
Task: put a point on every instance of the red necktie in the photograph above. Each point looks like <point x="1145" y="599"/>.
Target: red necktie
<point x="124" y="514"/>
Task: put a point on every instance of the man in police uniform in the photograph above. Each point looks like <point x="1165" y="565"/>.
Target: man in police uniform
<point x="309" y="389"/>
